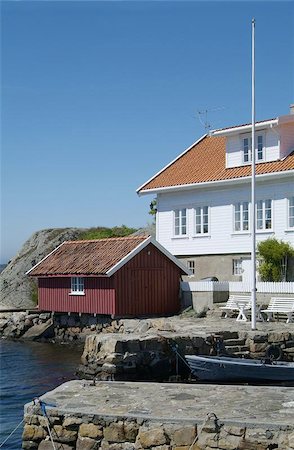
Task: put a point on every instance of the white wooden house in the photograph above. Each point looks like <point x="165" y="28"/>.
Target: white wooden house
<point x="203" y="197"/>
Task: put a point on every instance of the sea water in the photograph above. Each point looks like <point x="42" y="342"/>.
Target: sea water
<point x="28" y="370"/>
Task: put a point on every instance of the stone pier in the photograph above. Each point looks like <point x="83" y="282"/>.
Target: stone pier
<point x="144" y="350"/>
<point x="157" y="416"/>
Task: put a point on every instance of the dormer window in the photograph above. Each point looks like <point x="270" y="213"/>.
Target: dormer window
<point x="260" y="147"/>
<point x="247" y="148"/>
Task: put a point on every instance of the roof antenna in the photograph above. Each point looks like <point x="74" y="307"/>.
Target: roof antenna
<point x="203" y="117"/>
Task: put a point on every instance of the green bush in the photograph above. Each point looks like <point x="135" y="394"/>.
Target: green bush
<point x="273" y="257"/>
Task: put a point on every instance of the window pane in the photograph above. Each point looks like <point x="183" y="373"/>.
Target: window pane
<point x="259" y="147"/>
<point x="246" y="149"/>
<point x="268" y="204"/>
<point x="198" y="220"/>
<point x="191" y="266"/>
<point x="198" y="229"/>
<point x="291" y="212"/>
<point x="177" y="222"/>
<point x="245" y="216"/>
<point x="237" y="266"/>
<point x="184" y="223"/>
<point x="237" y="217"/>
<point x="268" y="214"/>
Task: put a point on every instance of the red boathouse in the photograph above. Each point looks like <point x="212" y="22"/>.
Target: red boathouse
<point x="130" y="276"/>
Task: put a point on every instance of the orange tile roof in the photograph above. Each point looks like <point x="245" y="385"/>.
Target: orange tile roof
<point x="205" y="162"/>
<point x="93" y="257"/>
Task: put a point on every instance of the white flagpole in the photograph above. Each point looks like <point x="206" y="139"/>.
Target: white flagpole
<point x="253" y="208"/>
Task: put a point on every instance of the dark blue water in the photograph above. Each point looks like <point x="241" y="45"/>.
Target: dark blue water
<point x="28" y="370"/>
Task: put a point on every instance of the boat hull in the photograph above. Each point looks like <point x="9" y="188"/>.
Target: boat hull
<point x="214" y="368"/>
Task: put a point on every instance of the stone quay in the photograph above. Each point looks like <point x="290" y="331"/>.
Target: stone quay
<point x="161" y="416"/>
<point x="144" y="349"/>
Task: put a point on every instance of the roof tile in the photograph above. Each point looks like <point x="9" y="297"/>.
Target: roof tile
<point x="93" y="257"/>
<point x="205" y="162"/>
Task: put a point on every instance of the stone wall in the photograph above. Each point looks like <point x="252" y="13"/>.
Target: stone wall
<point x="91" y="432"/>
<point x="54" y="327"/>
<point x="133" y="357"/>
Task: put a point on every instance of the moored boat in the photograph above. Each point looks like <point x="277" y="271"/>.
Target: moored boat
<point x="223" y="368"/>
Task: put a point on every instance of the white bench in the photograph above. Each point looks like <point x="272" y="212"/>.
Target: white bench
<point x="238" y="303"/>
<point x="282" y="305"/>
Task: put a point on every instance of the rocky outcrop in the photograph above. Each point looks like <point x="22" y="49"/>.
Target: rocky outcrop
<point x="17" y="290"/>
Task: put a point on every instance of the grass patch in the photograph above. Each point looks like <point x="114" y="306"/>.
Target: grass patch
<point x="105" y="232"/>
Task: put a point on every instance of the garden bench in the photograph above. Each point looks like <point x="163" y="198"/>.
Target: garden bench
<point x="282" y="305"/>
<point x="238" y="303"/>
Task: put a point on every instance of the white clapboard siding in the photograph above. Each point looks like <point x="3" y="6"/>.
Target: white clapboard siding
<point x="221" y="238"/>
<point x="238" y="286"/>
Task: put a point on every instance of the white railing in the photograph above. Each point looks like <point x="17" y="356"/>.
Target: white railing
<point x="238" y="286"/>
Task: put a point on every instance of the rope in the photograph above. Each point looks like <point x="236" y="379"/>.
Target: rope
<point x="208" y="416"/>
<point x="174" y="348"/>
<point x="43" y="405"/>
<point x="1" y="445"/>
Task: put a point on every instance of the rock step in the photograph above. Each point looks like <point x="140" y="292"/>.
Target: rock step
<point x="237" y="349"/>
<point x="233" y="342"/>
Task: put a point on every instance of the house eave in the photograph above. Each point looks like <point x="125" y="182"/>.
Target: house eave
<point x="244" y="128"/>
<point x="139" y="190"/>
<point x="217" y="183"/>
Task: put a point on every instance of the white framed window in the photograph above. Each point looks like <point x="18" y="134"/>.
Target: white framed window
<point x="260" y="147"/>
<point x="191" y="266"/>
<point x="180" y="222"/>
<point x="77" y="285"/>
<point x="247" y="148"/>
<point x="264" y="214"/>
<point x="291" y="212"/>
<point x="201" y="220"/>
<point x="237" y="266"/>
<point x="241" y="216"/>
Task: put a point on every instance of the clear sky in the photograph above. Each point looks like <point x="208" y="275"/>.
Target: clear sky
<point x="98" y="96"/>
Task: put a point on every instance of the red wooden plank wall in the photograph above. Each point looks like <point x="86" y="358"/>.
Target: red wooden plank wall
<point x="99" y="295"/>
<point x="148" y="284"/>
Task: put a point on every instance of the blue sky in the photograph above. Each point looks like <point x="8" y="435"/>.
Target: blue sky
<point x="98" y="96"/>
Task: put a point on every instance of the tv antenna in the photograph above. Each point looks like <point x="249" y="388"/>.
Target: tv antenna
<point x="203" y="117"/>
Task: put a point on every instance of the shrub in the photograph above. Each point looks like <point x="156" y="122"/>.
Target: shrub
<point x="273" y="256"/>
